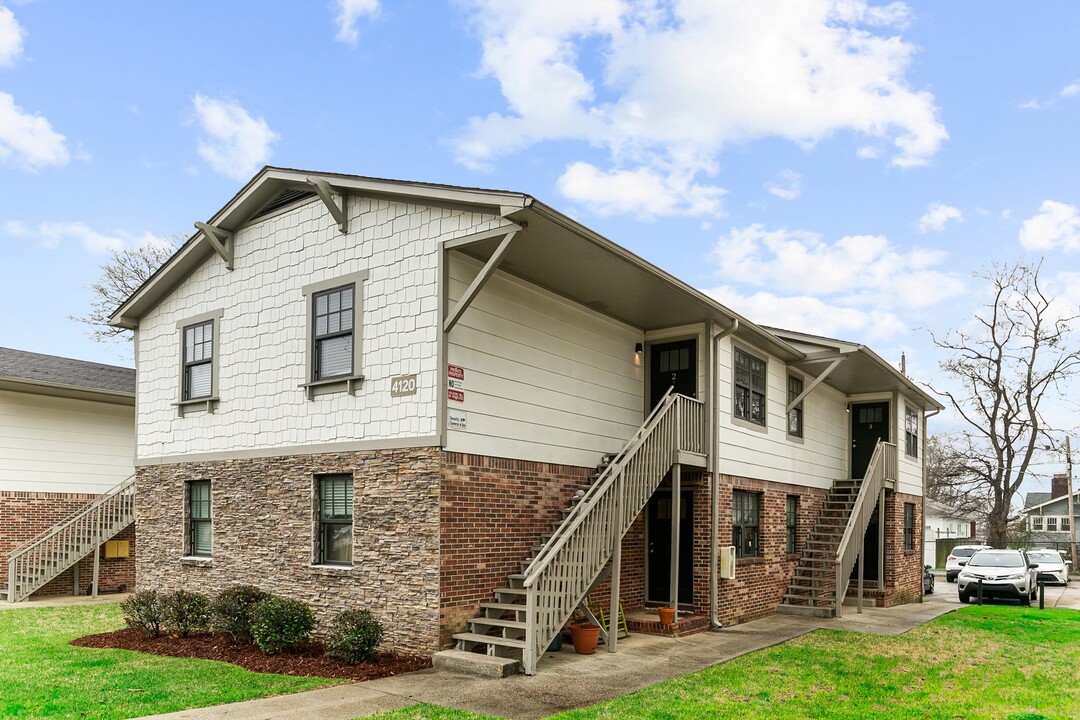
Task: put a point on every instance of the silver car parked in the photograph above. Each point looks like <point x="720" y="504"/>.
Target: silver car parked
<point x="1052" y="568"/>
<point x="1003" y="574"/>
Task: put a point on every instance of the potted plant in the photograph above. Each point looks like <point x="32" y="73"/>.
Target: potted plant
<point x="584" y="635"/>
<point x="667" y="615"/>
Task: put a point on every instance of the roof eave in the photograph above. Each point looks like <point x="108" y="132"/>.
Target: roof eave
<point x="64" y="390"/>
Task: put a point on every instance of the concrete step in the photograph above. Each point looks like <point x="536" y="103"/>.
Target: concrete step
<point x="469" y="663"/>
<point x="808" y="611"/>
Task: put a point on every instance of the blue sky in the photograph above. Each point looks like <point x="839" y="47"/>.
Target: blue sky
<point x="838" y="167"/>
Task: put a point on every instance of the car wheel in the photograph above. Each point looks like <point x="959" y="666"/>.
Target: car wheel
<point x="950" y="579"/>
<point x="1026" y="600"/>
<point x="965" y="597"/>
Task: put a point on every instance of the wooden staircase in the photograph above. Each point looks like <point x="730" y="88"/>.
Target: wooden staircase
<point x="34" y="564"/>
<point x="820" y="580"/>
<point x="526" y="614"/>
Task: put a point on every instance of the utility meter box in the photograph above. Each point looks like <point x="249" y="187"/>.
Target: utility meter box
<point x="727" y="562"/>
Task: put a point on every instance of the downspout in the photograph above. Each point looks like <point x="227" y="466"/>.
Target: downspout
<point x="714" y="478"/>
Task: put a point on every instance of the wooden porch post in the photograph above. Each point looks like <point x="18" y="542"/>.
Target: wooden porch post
<point x="616" y="569"/>
<point x="676" y="533"/>
<point x="97" y="569"/>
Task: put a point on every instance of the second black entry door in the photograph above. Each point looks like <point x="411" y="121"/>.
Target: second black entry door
<point x="673" y="364"/>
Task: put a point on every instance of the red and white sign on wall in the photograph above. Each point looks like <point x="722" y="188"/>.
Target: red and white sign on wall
<point x="455" y="383"/>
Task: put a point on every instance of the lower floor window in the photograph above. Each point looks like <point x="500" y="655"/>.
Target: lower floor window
<point x="200" y="535"/>
<point x="909" y="526"/>
<point x="335" y="535"/>
<point x="745" y="522"/>
<point x="792" y="516"/>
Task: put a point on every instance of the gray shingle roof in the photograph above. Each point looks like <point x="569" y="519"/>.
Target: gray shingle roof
<point x="34" y="367"/>
<point x="1036" y="498"/>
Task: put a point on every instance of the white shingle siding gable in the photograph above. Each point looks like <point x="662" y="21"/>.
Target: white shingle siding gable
<point x="264" y="332"/>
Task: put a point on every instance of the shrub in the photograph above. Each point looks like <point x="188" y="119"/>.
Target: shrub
<point x="144" y="611"/>
<point x="233" y="611"/>
<point x="280" y="622"/>
<point x="185" y="612"/>
<point x="354" y="636"/>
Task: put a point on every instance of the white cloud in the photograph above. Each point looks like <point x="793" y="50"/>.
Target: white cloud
<point x="349" y="13"/>
<point x="859" y="285"/>
<point x="666" y="86"/>
<point x="1070" y="90"/>
<point x="52" y="234"/>
<point x="1055" y="226"/>
<point x="787" y="185"/>
<point x="937" y="216"/>
<point x="641" y="192"/>
<point x="236" y="144"/>
<point x="11" y="38"/>
<point x="28" y="141"/>
<point x="1032" y="104"/>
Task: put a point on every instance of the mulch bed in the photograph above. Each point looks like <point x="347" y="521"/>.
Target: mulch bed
<point x="306" y="659"/>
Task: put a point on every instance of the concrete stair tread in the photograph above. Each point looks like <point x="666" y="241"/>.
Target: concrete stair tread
<point x="490" y="640"/>
<point x="470" y="663"/>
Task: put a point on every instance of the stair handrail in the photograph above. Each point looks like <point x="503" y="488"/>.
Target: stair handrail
<point x="120" y="487"/>
<point x="558" y="539"/>
<point x="611" y="504"/>
<point x="116" y="505"/>
<point x="882" y="466"/>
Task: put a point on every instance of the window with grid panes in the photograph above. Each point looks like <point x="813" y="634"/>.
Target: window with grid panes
<point x="749" y="387"/>
<point x="333" y="332"/>
<point x="1037" y="522"/>
<point x="1051" y="524"/>
<point x="795" y="415"/>
<point x="198" y="361"/>
<point x="200" y="528"/>
<point x="792" y="517"/>
<point x="911" y="431"/>
<point x="335" y="519"/>
<point x="909" y="526"/>
<point x="745" y="522"/>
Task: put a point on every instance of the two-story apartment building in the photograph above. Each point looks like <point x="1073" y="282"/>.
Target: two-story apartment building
<point x="393" y="395"/>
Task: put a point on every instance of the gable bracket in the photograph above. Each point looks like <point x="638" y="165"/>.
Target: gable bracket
<point x="478" y="282"/>
<point x="326" y="193"/>
<point x="817" y="381"/>
<point x="221" y="239"/>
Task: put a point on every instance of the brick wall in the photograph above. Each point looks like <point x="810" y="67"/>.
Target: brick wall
<point x="903" y="568"/>
<point x="24" y="515"/>
<point x="493" y="510"/>
<point x="263" y="527"/>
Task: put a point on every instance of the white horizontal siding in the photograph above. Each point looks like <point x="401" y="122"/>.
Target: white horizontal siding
<point x="911" y="468"/>
<point x="51" y="444"/>
<point x="545" y="379"/>
<point x="264" y="332"/>
<point x="768" y="454"/>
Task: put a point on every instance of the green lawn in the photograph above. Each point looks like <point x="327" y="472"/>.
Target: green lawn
<point x="42" y="676"/>
<point x="979" y="662"/>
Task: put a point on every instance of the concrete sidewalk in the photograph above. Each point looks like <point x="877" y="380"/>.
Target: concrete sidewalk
<point x="565" y="680"/>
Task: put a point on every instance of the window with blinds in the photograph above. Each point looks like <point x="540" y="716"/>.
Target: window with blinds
<point x="333" y="332"/>
<point x="335" y="519"/>
<point x="200" y="528"/>
<point x="199" y="361"/>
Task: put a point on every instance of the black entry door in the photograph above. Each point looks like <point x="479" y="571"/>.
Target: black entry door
<point x="869" y="423"/>
<point x="673" y="364"/>
<point x="659" y="548"/>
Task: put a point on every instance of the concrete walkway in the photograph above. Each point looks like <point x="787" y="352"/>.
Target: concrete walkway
<point x="66" y="601"/>
<point x="565" y="680"/>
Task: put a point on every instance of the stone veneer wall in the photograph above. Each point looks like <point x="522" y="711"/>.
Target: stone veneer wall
<point x="263" y="527"/>
<point x="493" y="511"/>
<point x="25" y="515"/>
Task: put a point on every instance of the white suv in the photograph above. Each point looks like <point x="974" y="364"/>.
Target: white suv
<point x="1003" y="574"/>
<point x="958" y="558"/>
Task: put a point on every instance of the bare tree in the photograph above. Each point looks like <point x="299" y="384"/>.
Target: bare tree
<point x="949" y="477"/>
<point x="1007" y="368"/>
<point x="121" y="275"/>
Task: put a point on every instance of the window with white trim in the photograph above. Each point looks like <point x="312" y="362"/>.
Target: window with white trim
<point x="1036" y="522"/>
<point x="1051" y="524"/>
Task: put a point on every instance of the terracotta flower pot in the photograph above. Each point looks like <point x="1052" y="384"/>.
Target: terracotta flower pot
<point x="667" y="615"/>
<point x="584" y="636"/>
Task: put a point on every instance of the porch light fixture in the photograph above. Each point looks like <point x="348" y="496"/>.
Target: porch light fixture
<point x="639" y="348"/>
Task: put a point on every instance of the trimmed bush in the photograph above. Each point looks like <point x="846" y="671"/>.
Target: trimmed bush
<point x="280" y="622"/>
<point x="185" y="612"/>
<point x="144" y="611"/>
<point x="234" y="610"/>
<point x="354" y="636"/>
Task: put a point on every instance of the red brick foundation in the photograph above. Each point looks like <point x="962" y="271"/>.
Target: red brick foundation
<point x="26" y="515"/>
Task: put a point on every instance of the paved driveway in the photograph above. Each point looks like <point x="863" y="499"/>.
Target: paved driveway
<point x="1057" y="596"/>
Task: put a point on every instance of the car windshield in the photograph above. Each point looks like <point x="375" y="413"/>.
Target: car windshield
<point x="963" y="552"/>
<point x="1044" y="556"/>
<point x="987" y="558"/>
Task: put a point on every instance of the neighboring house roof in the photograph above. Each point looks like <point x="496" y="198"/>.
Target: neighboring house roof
<point x="944" y="511"/>
<point x="1063" y="499"/>
<point x="1036" y="498"/>
<point x="51" y="375"/>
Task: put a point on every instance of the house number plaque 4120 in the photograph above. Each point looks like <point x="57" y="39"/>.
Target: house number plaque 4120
<point x="403" y="385"/>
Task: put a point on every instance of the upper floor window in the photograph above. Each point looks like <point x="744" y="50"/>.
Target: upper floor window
<point x="333" y="332"/>
<point x="198" y="361"/>
<point x="795" y="415"/>
<point x="749" y="387"/>
<point x="911" y="431"/>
